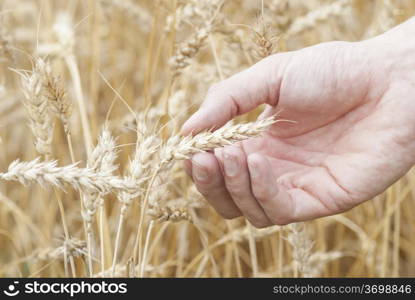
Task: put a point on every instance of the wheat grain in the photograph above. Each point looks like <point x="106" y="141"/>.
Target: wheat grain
<point x="168" y="213"/>
<point x="184" y="148"/>
<point x="37" y="109"/>
<point x="102" y="159"/>
<point x="302" y="246"/>
<point x="71" y="248"/>
<point x="264" y="39"/>
<point x="79" y="178"/>
<point x="55" y="93"/>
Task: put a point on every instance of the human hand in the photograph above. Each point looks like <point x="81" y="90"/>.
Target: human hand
<point x="354" y="133"/>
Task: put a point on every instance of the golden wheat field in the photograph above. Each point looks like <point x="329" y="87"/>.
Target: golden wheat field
<point x="92" y="98"/>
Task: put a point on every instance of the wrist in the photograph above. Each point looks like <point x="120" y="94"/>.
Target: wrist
<point x="394" y="51"/>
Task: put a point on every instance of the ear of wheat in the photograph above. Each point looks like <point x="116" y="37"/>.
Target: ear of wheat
<point x="38" y="109"/>
<point x="184" y="148"/>
<point x="80" y="178"/>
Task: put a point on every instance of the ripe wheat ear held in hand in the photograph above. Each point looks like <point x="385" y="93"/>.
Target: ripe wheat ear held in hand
<point x="106" y="171"/>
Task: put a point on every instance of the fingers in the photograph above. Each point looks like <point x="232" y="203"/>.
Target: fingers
<point x="297" y="196"/>
<point x="276" y="203"/>
<point x="238" y="184"/>
<point x="239" y="94"/>
<point x="209" y="181"/>
<point x="187" y="166"/>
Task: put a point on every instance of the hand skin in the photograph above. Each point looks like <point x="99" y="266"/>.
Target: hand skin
<point x="354" y="104"/>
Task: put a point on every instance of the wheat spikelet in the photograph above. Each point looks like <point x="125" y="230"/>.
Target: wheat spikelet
<point x="102" y="159"/>
<point x="264" y="39"/>
<point x="184" y="148"/>
<point x="139" y="173"/>
<point x="71" y="248"/>
<point x="168" y="213"/>
<point x="302" y="245"/>
<point x="55" y="93"/>
<point x="79" y="178"/>
<point x="37" y="109"/>
<point x="140" y="168"/>
<point x="187" y="50"/>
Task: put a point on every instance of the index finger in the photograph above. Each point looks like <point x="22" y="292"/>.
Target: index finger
<point x="239" y="94"/>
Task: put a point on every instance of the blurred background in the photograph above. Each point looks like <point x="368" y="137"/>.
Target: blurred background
<point x="142" y="67"/>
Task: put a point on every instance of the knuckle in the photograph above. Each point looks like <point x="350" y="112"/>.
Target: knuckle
<point x="203" y="177"/>
<point x="256" y="218"/>
<point x="229" y="215"/>
<point x="202" y="188"/>
<point x="214" y="88"/>
<point x="259" y="223"/>
<point x="235" y="188"/>
<point x="281" y="220"/>
<point x="261" y="195"/>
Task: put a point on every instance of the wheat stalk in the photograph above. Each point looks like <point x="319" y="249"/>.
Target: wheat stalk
<point x="102" y="159"/>
<point x="139" y="172"/>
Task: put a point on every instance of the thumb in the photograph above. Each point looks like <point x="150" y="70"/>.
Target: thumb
<point x="239" y="94"/>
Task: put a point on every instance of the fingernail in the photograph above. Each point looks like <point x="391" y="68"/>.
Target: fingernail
<point x="200" y="174"/>
<point x="192" y="119"/>
<point x="231" y="164"/>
